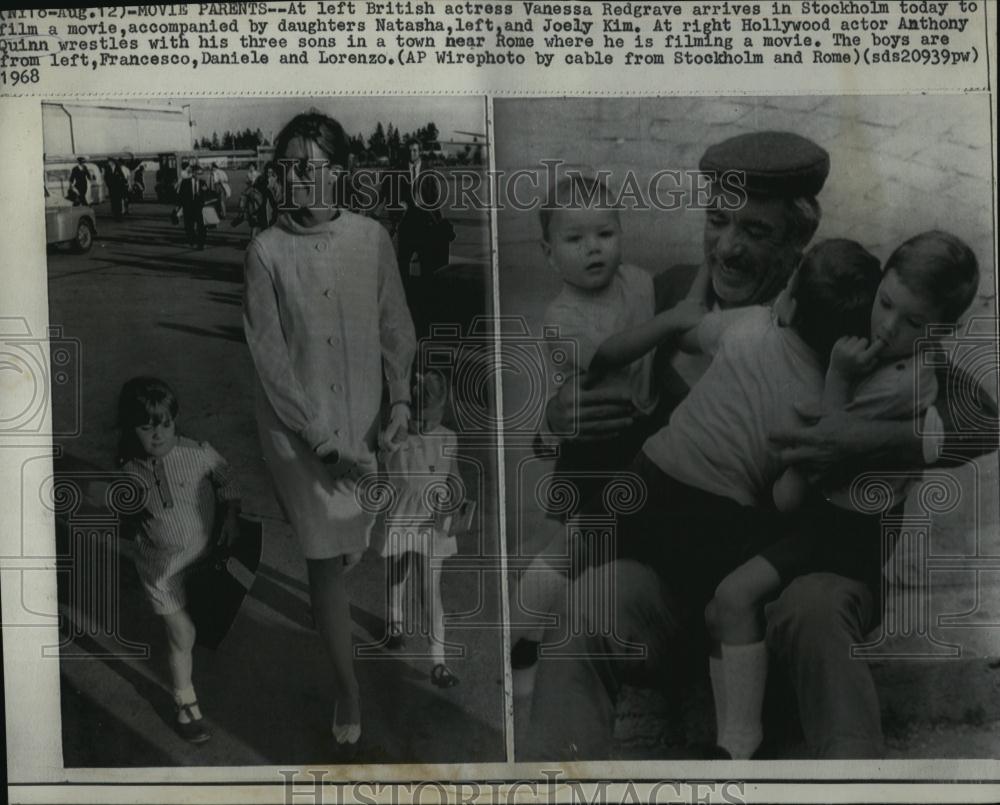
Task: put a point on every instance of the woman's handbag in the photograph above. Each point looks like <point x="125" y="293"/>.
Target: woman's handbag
<point x="217" y="585"/>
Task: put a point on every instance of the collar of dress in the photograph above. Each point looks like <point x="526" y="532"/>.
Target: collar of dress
<point x="289" y="224"/>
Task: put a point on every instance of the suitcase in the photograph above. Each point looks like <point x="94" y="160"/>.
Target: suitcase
<point x="217" y="586"/>
<point x="209" y="215"/>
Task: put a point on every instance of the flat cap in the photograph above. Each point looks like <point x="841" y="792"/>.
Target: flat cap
<point x="776" y="163"/>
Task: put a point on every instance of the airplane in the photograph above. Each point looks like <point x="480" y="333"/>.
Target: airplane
<point x="477" y="143"/>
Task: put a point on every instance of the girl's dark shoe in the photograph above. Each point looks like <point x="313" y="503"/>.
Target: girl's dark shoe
<point x="395" y="640"/>
<point x="192" y="730"/>
<point x="442" y="676"/>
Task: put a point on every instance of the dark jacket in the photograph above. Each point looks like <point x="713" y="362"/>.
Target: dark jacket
<point x="421" y="199"/>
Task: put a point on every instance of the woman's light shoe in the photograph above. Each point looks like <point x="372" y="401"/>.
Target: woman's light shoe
<point x="345" y="733"/>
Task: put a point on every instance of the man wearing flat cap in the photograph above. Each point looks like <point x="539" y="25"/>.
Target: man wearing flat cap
<point x="762" y="215"/>
<point x="750" y="252"/>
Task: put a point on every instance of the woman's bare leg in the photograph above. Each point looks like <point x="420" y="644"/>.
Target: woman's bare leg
<point x="331" y="608"/>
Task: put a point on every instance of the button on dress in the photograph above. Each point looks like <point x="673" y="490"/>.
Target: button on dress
<point x="326" y="320"/>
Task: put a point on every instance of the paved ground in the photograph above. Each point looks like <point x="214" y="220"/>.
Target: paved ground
<point x="143" y="302"/>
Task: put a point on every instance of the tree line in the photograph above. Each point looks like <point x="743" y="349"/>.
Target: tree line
<point x="233" y="140"/>
<point x="383" y="142"/>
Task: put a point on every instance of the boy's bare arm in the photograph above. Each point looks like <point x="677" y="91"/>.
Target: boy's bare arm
<point x="836" y="390"/>
<point x="623" y="348"/>
<point x="700" y="285"/>
<point x="687" y="340"/>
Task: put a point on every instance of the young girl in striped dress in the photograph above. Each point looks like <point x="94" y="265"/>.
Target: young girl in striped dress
<point x="185" y="482"/>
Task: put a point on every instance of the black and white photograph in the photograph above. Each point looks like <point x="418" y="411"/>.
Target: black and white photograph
<point x="283" y="547"/>
<point x="500" y="401"/>
<point x="757" y="519"/>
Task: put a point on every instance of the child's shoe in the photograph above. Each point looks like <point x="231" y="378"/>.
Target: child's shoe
<point x="395" y="639"/>
<point x="442" y="677"/>
<point x="190" y="724"/>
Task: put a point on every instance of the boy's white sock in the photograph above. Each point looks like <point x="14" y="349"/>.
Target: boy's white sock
<point x="718" y="694"/>
<point x="744" y="673"/>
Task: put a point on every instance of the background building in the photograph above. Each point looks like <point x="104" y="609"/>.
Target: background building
<point x="104" y="127"/>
